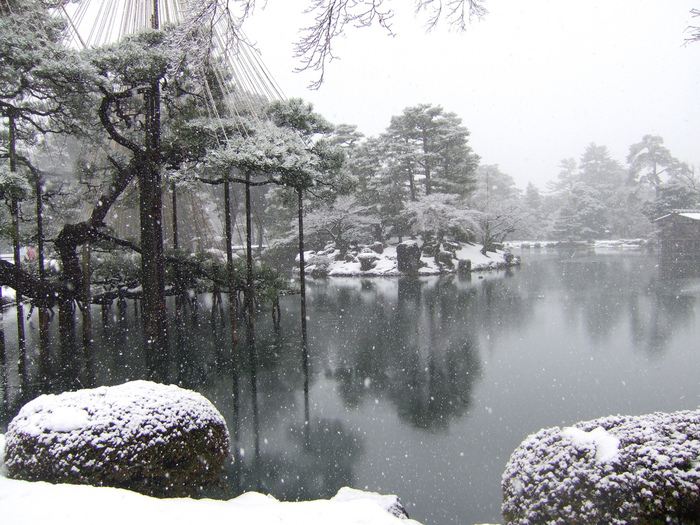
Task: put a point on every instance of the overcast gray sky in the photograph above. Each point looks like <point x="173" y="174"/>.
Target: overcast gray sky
<point x="535" y="82"/>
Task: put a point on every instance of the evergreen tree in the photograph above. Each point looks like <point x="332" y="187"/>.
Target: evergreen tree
<point x="430" y="148"/>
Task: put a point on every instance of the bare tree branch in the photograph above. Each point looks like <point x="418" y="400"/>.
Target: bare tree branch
<point x="331" y="17"/>
<point x="694" y="30"/>
<point x="457" y="13"/>
<point x="315" y="46"/>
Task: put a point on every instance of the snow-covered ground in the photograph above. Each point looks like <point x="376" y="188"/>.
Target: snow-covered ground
<point x="37" y="503"/>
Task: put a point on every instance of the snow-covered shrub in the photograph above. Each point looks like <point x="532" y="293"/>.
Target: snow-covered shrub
<point x="619" y="469"/>
<point x="445" y="258"/>
<point x="317" y="265"/>
<point x="464" y="265"/>
<point x="150" y="438"/>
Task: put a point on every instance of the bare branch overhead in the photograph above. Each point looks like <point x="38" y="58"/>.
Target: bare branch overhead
<point x="331" y="17"/>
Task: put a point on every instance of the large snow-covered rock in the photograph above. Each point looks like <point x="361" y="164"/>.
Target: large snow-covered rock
<point x="408" y="256"/>
<point x="618" y="469"/>
<point x="151" y="438"/>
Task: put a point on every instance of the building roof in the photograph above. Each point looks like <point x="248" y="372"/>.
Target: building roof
<point x="690" y="214"/>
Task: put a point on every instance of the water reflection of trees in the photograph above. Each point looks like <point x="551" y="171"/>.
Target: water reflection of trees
<point x="276" y="453"/>
<point x="413" y="340"/>
<point x="635" y="291"/>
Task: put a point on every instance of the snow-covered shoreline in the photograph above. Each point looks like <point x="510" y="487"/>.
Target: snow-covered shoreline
<point x="633" y="244"/>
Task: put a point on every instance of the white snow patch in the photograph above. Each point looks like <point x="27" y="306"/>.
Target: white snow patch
<point x="63" y="419"/>
<point x="606" y="445"/>
<point x="29" y="503"/>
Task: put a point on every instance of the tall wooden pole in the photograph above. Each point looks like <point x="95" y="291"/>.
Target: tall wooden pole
<point x="14" y="212"/>
<point x="154" y="311"/>
<point x="304" y="337"/>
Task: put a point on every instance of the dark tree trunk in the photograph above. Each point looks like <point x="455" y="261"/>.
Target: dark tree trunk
<point x="87" y="318"/>
<point x="250" y="285"/>
<point x="250" y="310"/>
<point x="176" y="240"/>
<point x="66" y="330"/>
<point x="154" y="311"/>
<point x="228" y="223"/>
<point x="14" y="213"/>
<point x="44" y="341"/>
<point x="304" y="337"/>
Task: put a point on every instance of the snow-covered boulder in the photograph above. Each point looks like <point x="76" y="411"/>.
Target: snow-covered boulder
<point x="446" y="259"/>
<point x="618" y="469"/>
<point x="367" y="260"/>
<point x="151" y="438"/>
<point x="408" y="256"/>
<point x="376" y="247"/>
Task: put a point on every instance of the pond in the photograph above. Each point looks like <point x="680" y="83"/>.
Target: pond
<point x="420" y="387"/>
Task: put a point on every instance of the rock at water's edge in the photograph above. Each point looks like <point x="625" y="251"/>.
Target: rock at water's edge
<point x="408" y="256"/>
<point x="618" y="469"/>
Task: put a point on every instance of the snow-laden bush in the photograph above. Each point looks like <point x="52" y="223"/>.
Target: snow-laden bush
<point x="150" y="438"/>
<point x="618" y="469"/>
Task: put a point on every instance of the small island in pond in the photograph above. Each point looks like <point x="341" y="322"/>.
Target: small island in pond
<point x="405" y="258"/>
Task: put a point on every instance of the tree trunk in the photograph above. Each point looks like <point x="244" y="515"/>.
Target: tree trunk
<point x="87" y="318"/>
<point x="153" y="310"/>
<point x="250" y="309"/>
<point x="233" y="307"/>
<point x="233" y="313"/>
<point x="250" y="285"/>
<point x="14" y="213"/>
<point x="304" y="337"/>
<point x="176" y="240"/>
<point x="44" y="342"/>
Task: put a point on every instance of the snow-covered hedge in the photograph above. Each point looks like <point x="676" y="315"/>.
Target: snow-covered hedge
<point x="151" y="438"/>
<point x="618" y="469"/>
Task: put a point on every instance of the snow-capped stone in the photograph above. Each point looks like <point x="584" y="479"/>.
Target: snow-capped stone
<point x="618" y="469"/>
<point x="150" y="438"/>
<point x="408" y="256"/>
<point x="367" y="260"/>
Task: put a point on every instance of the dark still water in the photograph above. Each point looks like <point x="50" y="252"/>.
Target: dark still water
<point x="417" y="387"/>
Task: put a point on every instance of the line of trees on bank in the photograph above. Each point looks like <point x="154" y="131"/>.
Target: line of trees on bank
<point x="421" y="178"/>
